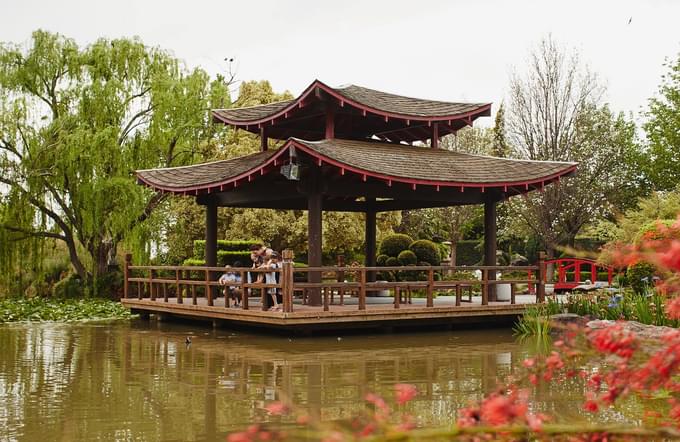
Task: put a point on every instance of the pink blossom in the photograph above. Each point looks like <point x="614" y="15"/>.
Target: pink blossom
<point x="405" y="393"/>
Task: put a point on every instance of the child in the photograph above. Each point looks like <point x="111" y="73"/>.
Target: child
<point x="273" y="263"/>
<point x="234" y="292"/>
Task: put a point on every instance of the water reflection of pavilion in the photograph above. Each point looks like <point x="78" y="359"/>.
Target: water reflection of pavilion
<point x="142" y="382"/>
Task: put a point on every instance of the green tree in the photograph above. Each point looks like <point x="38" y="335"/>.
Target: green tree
<point x="556" y="114"/>
<point x="74" y="124"/>
<point x="663" y="131"/>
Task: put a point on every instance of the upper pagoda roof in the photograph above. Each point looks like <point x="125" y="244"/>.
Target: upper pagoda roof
<point x="365" y="112"/>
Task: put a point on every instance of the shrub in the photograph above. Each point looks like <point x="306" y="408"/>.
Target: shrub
<point x="385" y="276"/>
<point x="426" y="251"/>
<point x="407" y="258"/>
<point x="603" y="276"/>
<point x="640" y="276"/>
<point x="392" y="245"/>
<point x="391" y="261"/>
<point x="194" y="262"/>
<point x="468" y="253"/>
<point x="69" y="287"/>
<point x="380" y="260"/>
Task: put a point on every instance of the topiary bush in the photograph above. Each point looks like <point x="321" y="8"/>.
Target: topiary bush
<point x="426" y="251"/>
<point x="380" y="260"/>
<point x="640" y="276"/>
<point x="391" y="262"/>
<point x="407" y="258"/>
<point x="392" y="245"/>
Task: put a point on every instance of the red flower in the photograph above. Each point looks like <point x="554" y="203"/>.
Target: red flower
<point x="615" y="340"/>
<point x="500" y="409"/>
<point x="404" y="393"/>
<point x="277" y="408"/>
<point x="591" y="405"/>
<point x="670" y="259"/>
<point x="673" y="308"/>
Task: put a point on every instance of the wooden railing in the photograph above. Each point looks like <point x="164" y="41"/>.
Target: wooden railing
<point x="192" y="282"/>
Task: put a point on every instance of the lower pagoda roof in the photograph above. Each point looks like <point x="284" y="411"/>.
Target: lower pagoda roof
<point x="388" y="170"/>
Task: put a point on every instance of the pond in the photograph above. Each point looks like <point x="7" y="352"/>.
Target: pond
<point x="141" y="381"/>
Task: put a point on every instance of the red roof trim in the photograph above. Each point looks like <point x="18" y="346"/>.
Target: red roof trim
<point x="298" y="102"/>
<point x="344" y="168"/>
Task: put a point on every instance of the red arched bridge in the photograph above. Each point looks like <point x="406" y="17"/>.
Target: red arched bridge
<point x="572" y="272"/>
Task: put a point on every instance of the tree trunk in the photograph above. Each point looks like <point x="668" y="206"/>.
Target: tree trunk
<point x="454" y="252"/>
<point x="550" y="268"/>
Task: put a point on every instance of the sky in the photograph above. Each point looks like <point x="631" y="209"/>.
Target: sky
<point x="445" y="50"/>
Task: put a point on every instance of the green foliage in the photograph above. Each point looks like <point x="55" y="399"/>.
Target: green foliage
<point x="76" y="121"/>
<point x="70" y="287"/>
<point x="392" y="245"/>
<point x="426" y="251"/>
<point x="639" y="277"/>
<point x="58" y="309"/>
<point x="229" y="257"/>
<point x="391" y="262"/>
<point x="224" y="246"/>
<point x="663" y="131"/>
<point x="407" y="258"/>
<point x="627" y="305"/>
<point x="194" y="262"/>
<point x="469" y="253"/>
<point x="381" y="259"/>
<point x="536" y="319"/>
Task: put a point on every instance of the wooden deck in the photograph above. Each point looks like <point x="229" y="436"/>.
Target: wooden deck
<point x="322" y="298"/>
<point x="382" y="314"/>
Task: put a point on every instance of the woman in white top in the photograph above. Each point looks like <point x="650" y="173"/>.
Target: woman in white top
<point x="270" y="278"/>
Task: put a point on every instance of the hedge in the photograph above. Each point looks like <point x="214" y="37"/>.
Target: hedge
<point x="224" y="245"/>
<point x="468" y="253"/>
<point x="228" y="257"/>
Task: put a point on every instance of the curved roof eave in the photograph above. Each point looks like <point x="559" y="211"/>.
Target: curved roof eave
<point x="275" y="158"/>
<point x="483" y="110"/>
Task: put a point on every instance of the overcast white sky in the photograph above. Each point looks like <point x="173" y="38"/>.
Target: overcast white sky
<point x="447" y="50"/>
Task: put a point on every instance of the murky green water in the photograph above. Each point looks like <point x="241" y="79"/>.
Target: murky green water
<point x="140" y="381"/>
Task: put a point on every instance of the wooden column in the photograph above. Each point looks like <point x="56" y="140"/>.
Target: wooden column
<point x="210" y="244"/>
<point x="490" y="243"/>
<point x="370" y="238"/>
<point x="126" y="275"/>
<point x="287" y="281"/>
<point x="264" y="139"/>
<point x="330" y="122"/>
<point x="314" y="238"/>
<point x="211" y="234"/>
<point x="434" y="141"/>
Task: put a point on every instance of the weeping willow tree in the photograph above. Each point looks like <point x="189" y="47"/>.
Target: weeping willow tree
<point x="74" y="124"/>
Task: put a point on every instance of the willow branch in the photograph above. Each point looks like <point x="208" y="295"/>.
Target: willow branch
<point x="32" y="233"/>
<point x="131" y="124"/>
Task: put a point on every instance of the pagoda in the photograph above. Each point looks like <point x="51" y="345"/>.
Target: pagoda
<point x="354" y="149"/>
